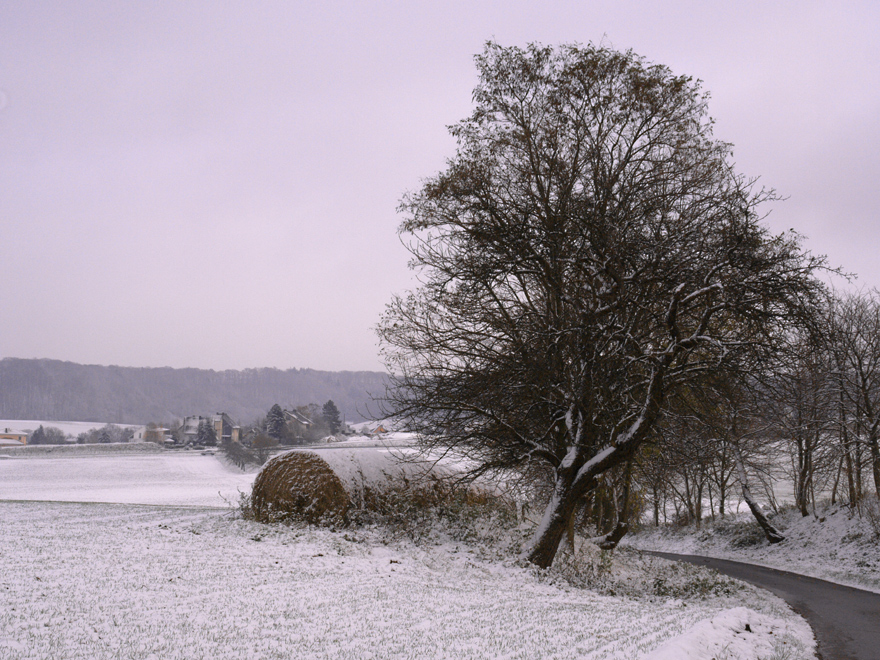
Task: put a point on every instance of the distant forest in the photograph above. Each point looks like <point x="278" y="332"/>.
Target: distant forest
<point x="62" y="391"/>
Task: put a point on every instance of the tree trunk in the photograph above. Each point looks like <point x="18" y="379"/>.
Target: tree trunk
<point x="711" y="500"/>
<point x="847" y="455"/>
<point x="875" y="463"/>
<point x="801" y="494"/>
<point x="836" y="481"/>
<point x="555" y="522"/>
<point x="773" y="535"/>
<point x="612" y="538"/>
<point x="850" y="478"/>
<point x="579" y="475"/>
<point x="656" y="506"/>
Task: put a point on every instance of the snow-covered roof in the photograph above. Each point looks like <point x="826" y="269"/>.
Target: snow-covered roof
<point x="297" y="417"/>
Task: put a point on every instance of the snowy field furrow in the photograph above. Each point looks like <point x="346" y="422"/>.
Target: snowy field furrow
<point x="118" y="581"/>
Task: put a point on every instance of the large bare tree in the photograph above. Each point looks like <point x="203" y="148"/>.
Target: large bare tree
<point x="587" y="251"/>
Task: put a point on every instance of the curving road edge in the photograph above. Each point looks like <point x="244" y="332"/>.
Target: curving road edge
<point x="845" y="620"/>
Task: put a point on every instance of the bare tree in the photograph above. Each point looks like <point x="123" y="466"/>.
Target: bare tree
<point x="588" y="251"/>
<point x="238" y="454"/>
<point x="264" y="445"/>
<point x="799" y="403"/>
<point x="741" y="433"/>
<point x="855" y="346"/>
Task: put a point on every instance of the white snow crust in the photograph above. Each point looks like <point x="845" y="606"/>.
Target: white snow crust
<point x="726" y="636"/>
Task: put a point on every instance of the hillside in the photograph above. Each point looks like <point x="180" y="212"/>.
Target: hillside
<point x="56" y="390"/>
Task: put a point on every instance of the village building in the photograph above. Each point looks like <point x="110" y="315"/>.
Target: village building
<point x="12" y="438"/>
<point x="224" y="428"/>
<point x="297" y="422"/>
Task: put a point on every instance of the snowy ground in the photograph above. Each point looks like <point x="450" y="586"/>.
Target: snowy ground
<point x="141" y="582"/>
<point x="386" y="440"/>
<point x="836" y="544"/>
<point x="175" y="478"/>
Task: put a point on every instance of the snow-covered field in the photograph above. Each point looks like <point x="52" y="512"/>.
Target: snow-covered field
<point x="102" y="580"/>
<point x="836" y="544"/>
<point x="178" y="478"/>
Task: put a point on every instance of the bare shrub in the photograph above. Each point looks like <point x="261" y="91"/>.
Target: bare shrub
<point x="438" y="507"/>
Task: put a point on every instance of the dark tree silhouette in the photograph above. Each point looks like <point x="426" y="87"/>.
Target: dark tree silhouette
<point x="330" y="413"/>
<point x="276" y="425"/>
<point x="588" y="251"/>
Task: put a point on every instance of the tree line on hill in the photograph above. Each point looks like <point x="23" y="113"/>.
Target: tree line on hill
<point x="55" y="390"/>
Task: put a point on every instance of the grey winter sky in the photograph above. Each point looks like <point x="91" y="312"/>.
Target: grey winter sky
<point x="214" y="185"/>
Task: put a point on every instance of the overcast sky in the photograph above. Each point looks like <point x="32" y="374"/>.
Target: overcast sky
<point x="214" y="185"/>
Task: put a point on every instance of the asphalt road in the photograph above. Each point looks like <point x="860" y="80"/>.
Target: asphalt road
<point x="846" y="621"/>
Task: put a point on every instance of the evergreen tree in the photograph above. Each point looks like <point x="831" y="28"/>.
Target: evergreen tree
<point x="276" y="426"/>
<point x="205" y="435"/>
<point x="330" y="413"/>
<point x="38" y="437"/>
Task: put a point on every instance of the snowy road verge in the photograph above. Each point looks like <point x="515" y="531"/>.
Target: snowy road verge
<point x="836" y="545"/>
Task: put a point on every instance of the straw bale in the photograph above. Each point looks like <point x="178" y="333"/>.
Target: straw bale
<point x="298" y="484"/>
<point x="324" y="485"/>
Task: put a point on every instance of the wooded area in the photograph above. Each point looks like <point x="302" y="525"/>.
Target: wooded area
<point x="55" y="390"/>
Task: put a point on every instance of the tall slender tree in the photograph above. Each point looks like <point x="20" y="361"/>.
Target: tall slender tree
<point x="330" y="413"/>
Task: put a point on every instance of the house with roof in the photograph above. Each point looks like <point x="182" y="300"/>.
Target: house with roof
<point x="153" y="433"/>
<point x="224" y="428"/>
<point x="297" y="423"/>
<point x="12" y="438"/>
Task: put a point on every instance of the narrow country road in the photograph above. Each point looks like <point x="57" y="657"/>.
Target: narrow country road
<point x="846" y="621"/>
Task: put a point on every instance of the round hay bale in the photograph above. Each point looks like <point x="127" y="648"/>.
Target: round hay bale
<point x="323" y="486"/>
<point x="298" y="484"/>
